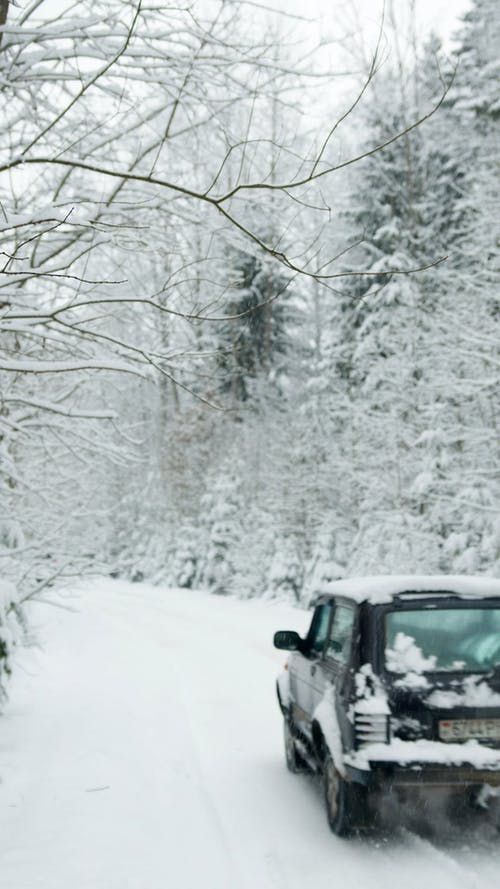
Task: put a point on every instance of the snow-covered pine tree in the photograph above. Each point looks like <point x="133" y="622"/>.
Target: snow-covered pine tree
<point x="404" y="205"/>
<point x="471" y="326"/>
<point x="252" y="341"/>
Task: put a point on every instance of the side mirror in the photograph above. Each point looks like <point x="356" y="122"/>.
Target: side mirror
<point x="288" y="640"/>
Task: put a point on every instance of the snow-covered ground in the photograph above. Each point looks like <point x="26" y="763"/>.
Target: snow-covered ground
<point x="141" y="749"/>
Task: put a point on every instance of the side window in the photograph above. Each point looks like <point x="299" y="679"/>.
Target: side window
<point x="340" y="638"/>
<point x="318" y="631"/>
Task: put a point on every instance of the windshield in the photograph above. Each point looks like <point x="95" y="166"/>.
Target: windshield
<point x="430" y="639"/>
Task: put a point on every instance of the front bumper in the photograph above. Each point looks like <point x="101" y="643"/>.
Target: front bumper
<point x="424" y="763"/>
<point x="422" y="775"/>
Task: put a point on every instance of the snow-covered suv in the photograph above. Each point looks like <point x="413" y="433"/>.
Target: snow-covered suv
<point x="396" y="687"/>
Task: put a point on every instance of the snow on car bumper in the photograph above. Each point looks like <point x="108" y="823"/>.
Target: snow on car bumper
<point x="425" y="762"/>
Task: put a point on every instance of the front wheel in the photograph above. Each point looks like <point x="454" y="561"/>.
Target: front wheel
<point x="294" y="761"/>
<point x="345" y="801"/>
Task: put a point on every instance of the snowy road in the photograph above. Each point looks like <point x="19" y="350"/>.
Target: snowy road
<point x="141" y="749"/>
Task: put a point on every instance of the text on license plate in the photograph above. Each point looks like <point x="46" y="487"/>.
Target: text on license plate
<point x="461" y="729"/>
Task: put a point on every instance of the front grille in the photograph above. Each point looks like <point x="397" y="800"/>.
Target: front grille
<point x="371" y="728"/>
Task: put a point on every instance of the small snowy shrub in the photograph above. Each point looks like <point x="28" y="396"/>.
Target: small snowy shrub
<point x="185" y="556"/>
<point x="327" y="561"/>
<point x="222" y="508"/>
<point x="287" y="573"/>
<point x="11" y="627"/>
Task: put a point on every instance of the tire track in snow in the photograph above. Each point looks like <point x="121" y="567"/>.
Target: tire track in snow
<point x="179" y="695"/>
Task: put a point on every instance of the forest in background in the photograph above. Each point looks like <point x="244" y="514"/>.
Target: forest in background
<point x="249" y="341"/>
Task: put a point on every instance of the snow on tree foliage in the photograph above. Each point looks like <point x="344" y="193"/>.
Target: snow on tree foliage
<point x="382" y="455"/>
<point x="176" y="401"/>
<point x="111" y="239"/>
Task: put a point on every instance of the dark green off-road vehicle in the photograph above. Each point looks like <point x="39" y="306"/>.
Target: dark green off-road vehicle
<point x="396" y="687"/>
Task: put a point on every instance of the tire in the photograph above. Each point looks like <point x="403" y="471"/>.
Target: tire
<point x="475" y="810"/>
<point x="489" y="807"/>
<point x="293" y="759"/>
<point x="345" y="801"/>
<point x="495" y="815"/>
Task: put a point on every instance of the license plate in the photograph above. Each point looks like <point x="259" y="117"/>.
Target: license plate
<point x="463" y="729"/>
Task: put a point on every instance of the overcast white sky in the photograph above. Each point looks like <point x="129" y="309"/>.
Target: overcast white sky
<point x="349" y="30"/>
<point x="361" y="18"/>
<point x="439" y="15"/>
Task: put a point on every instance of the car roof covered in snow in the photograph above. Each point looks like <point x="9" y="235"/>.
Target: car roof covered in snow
<point x="383" y="588"/>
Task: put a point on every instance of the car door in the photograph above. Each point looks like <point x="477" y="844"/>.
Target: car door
<point x="336" y="658"/>
<point x="304" y="666"/>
